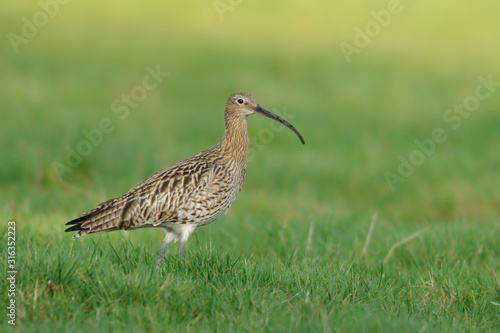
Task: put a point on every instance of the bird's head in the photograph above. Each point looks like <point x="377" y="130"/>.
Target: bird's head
<point x="241" y="104"/>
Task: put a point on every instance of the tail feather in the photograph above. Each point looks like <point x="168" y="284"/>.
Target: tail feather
<point x="101" y="219"/>
<point x="78" y="223"/>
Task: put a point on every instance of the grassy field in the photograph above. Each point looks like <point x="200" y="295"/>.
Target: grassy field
<point x="299" y="250"/>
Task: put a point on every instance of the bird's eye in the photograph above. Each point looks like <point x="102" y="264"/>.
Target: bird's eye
<point x="240" y="101"/>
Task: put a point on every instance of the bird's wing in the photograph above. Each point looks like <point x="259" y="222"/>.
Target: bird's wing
<point x="181" y="192"/>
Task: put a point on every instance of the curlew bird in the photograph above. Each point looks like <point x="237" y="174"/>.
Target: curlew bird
<point x="186" y="195"/>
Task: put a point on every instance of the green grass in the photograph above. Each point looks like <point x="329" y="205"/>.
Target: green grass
<point x="435" y="283"/>
<point x="261" y="267"/>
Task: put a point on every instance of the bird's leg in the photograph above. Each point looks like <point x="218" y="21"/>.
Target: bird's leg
<point x="186" y="232"/>
<point x="182" y="247"/>
<point x="161" y="251"/>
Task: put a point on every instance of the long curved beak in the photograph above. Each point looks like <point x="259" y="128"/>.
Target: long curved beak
<point x="264" y="112"/>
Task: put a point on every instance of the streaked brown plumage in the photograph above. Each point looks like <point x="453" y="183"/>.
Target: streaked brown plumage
<point x="186" y="195"/>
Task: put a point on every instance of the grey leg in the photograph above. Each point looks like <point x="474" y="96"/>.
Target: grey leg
<point x="161" y="251"/>
<point x="186" y="232"/>
<point x="182" y="247"/>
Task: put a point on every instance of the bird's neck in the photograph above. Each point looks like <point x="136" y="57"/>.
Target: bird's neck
<point x="235" y="143"/>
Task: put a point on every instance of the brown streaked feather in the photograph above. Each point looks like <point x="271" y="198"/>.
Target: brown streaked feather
<point x="169" y="195"/>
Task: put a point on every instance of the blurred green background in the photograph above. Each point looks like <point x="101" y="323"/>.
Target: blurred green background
<point x="357" y="117"/>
